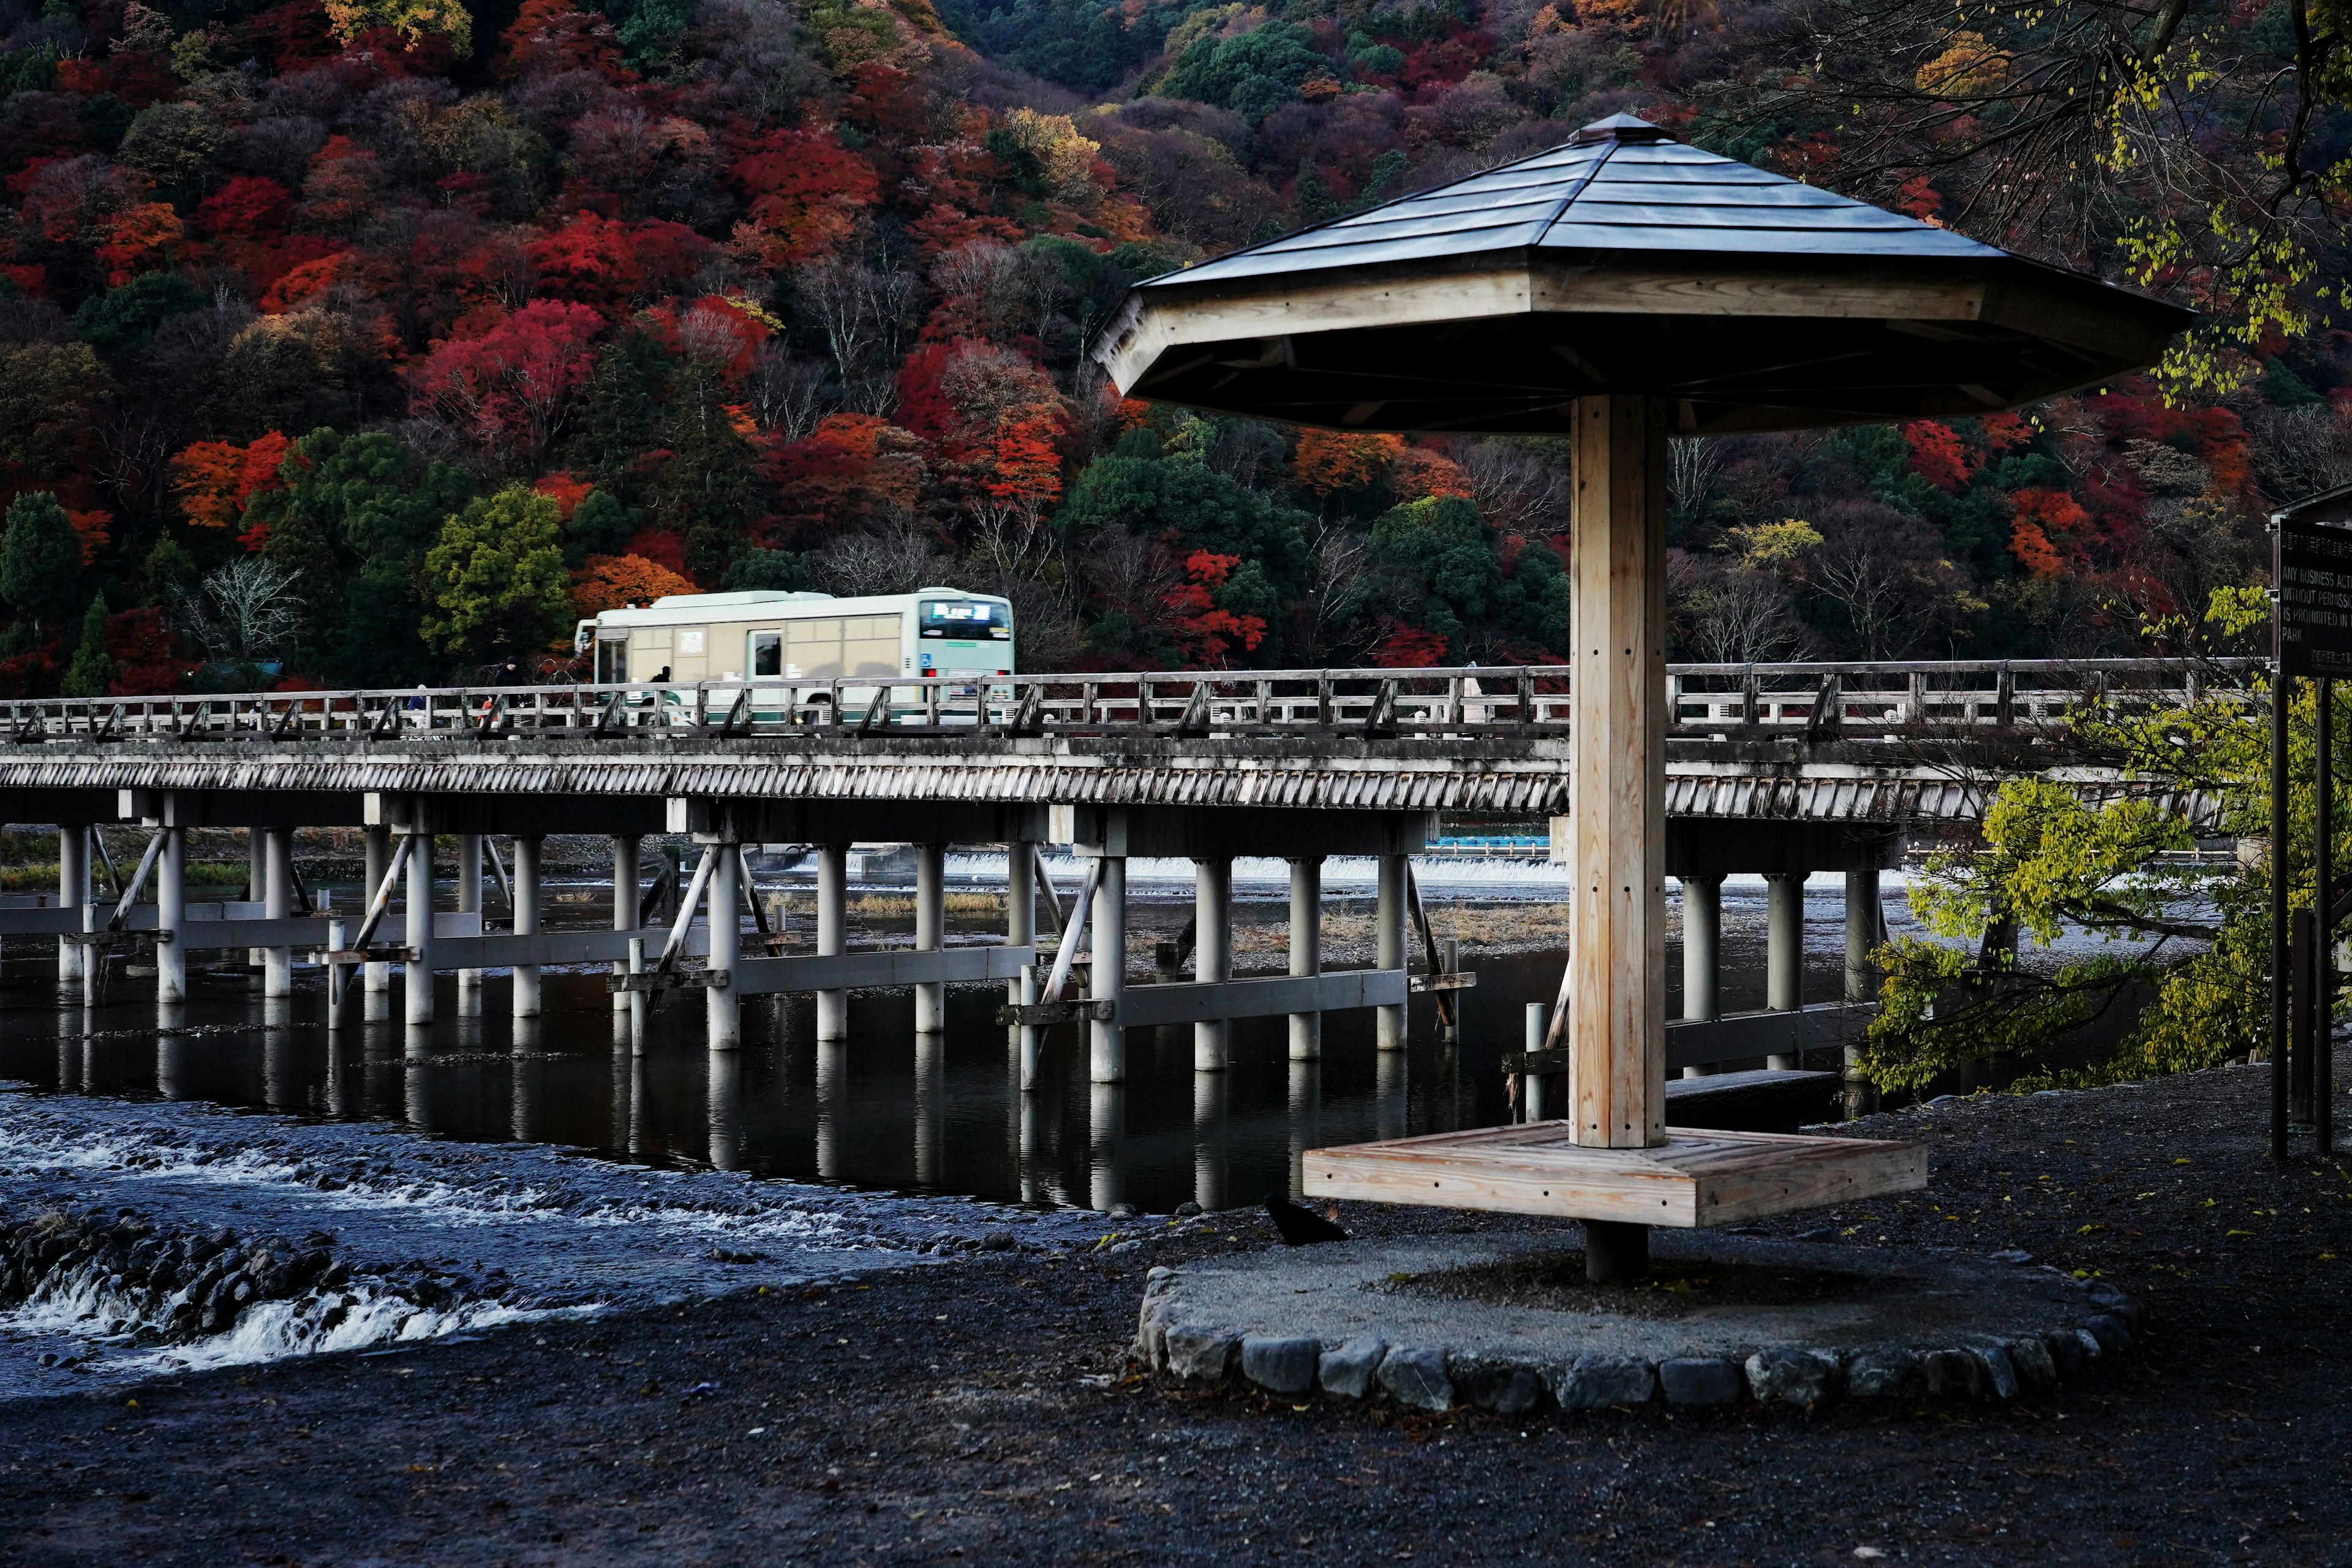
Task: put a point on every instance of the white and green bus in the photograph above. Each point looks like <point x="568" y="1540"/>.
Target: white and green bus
<point x="802" y="638"/>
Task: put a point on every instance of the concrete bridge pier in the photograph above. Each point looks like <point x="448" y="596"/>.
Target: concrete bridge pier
<point x="256" y="882"/>
<point x="930" y="932"/>
<point x="1865" y="929"/>
<point x="1392" y="1086"/>
<point x="1107" y="1143"/>
<point x="170" y="920"/>
<point x="1389" y="1023"/>
<point x="1212" y="959"/>
<point x="832" y="937"/>
<point x="723" y="1009"/>
<point x="723" y="1110"/>
<point x="376" y="846"/>
<point x="416" y="979"/>
<point x="1784" y="952"/>
<point x="1305" y="1119"/>
<point x="625" y="847"/>
<point x="831" y="1106"/>
<point x="930" y="1109"/>
<point x="73" y="892"/>
<point x="1107" y="974"/>
<point x="1020" y="903"/>
<point x="525" y="872"/>
<point x="469" y="903"/>
<point x="1307" y="950"/>
<point x="1702" y="955"/>
<point x="277" y="904"/>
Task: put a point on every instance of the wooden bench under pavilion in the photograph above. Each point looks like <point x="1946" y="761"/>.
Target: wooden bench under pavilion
<point x="1619" y="290"/>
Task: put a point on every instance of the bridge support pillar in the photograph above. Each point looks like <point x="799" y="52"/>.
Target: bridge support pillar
<point x="1306" y="1121"/>
<point x="416" y="979"/>
<point x="277" y="904"/>
<point x="1784" y="951"/>
<point x="1702" y="955"/>
<point x="1307" y="951"/>
<point x="73" y="892"/>
<point x="470" y="901"/>
<point x="527" y="847"/>
<point x="256" y="880"/>
<point x="832" y="936"/>
<point x="170" y="917"/>
<point x="1107" y="974"/>
<point x="1866" y="928"/>
<point x="723" y="1009"/>
<point x="1209" y="1139"/>
<point x="1212" y="959"/>
<point x="375" y="979"/>
<point x="1020" y="902"/>
<point x="1388" y="943"/>
<point x="930" y="1109"/>
<point x="1106" y="1146"/>
<point x="930" y="932"/>
<point x="625" y="899"/>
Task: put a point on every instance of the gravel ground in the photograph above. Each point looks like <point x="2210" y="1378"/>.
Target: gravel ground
<point x="985" y="1411"/>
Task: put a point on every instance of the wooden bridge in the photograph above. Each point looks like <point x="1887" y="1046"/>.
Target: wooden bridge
<point x="1782" y="769"/>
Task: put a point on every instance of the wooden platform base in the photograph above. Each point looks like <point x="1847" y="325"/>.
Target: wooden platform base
<point x="1696" y="1179"/>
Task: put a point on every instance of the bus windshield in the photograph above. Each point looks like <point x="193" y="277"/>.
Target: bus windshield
<point x="965" y="619"/>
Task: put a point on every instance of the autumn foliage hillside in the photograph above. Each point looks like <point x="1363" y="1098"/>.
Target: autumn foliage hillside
<point x="374" y="342"/>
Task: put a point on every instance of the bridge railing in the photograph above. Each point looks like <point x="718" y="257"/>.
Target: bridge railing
<point x="1816" y="699"/>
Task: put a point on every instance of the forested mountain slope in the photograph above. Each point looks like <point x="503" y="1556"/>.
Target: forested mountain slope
<point x="374" y="341"/>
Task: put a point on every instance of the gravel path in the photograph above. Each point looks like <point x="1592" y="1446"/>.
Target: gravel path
<point x="983" y="1411"/>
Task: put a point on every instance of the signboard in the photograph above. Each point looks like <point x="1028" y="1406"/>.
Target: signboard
<point x="2312" y="573"/>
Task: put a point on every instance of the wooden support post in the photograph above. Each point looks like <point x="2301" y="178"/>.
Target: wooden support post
<point x="277" y="904"/>
<point x="376" y="846"/>
<point x="723" y="1009"/>
<point x="417" y="980"/>
<point x="1307" y="951"/>
<point x="832" y="936"/>
<point x="1388" y="946"/>
<point x="171" y="918"/>
<point x="1784" y="952"/>
<point x="73" y="892"/>
<point x="930" y="932"/>
<point x="2323" y="958"/>
<point x="1106" y="975"/>
<point x="2303" y="943"/>
<point x="527" y="847"/>
<point x="470" y="901"/>
<point x="1702" y="955"/>
<point x="1213" y="957"/>
<point x="1537" y="1018"/>
<point x="1617" y="1025"/>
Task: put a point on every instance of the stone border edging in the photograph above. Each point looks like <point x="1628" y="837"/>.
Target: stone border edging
<point x="1433" y="1378"/>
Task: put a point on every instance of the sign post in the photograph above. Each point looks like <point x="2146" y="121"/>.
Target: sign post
<point x="2311" y="627"/>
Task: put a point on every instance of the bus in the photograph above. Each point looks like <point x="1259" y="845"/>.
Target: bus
<point x="765" y="635"/>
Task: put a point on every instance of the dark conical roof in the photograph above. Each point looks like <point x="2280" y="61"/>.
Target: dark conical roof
<point x="1623" y="260"/>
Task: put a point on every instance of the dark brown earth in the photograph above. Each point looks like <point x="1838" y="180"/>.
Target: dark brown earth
<point x="983" y="1411"/>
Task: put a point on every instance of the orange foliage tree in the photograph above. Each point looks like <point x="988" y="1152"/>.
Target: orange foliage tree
<point x="214" y="479"/>
<point x="1330" y="461"/>
<point x="610" y="582"/>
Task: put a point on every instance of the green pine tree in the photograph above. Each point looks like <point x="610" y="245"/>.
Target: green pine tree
<point x="40" y="558"/>
<point x="93" y="669"/>
<point x="1311" y="201"/>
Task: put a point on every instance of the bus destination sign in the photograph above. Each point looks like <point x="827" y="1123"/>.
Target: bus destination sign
<point x="2313" y="574"/>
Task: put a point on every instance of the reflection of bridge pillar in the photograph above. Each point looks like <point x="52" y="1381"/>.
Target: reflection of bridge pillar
<point x="278" y="904"/>
<point x="529" y="1072"/>
<point x="1784" y="951"/>
<point x="528" y="1003"/>
<point x="376" y="846"/>
<point x="171" y="920"/>
<point x="470" y="901"/>
<point x="625" y="899"/>
<point x="832" y="937"/>
<point x="175" y="1062"/>
<point x="279" y="1089"/>
<point x="1030" y="1157"/>
<point x="73" y="892"/>
<point x="723" y="1103"/>
<point x="1702" y="955"/>
<point x="1213" y="957"/>
<point x="1392" y="1087"/>
<point x="930" y="932"/>
<point x="1388" y="943"/>
<point x="1106" y="975"/>
<point x="1209" y="1140"/>
<point x="417" y="1101"/>
<point x="1106" y="1145"/>
<point x="832" y="1105"/>
<point x="416" y="982"/>
<point x="1307" y="951"/>
<point x="640" y="1110"/>
<point x="343" y="1080"/>
<point x="1305" y="1119"/>
<point x="723" y="1009"/>
<point x="930" y="1109"/>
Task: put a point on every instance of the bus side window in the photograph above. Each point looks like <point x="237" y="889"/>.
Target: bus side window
<point x="611" y="660"/>
<point x="767" y="654"/>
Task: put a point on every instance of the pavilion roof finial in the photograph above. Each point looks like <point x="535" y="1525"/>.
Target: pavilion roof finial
<point x="1620" y="128"/>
